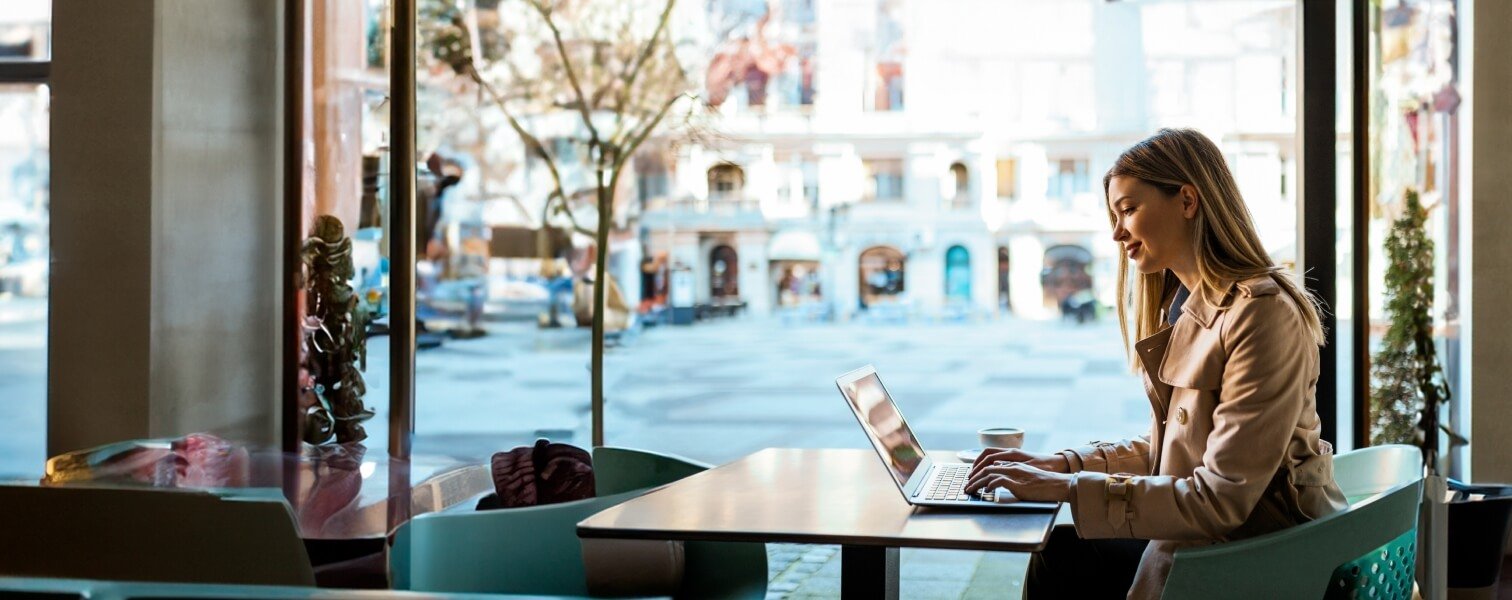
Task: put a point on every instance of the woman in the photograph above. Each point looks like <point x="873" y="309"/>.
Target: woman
<point x="1228" y="345"/>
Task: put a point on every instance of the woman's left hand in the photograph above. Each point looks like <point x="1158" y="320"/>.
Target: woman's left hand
<point x="1026" y="482"/>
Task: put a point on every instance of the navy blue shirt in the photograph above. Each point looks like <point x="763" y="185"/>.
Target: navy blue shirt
<point x="1181" y="297"/>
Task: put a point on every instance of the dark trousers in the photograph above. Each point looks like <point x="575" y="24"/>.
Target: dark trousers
<point x="1071" y="567"/>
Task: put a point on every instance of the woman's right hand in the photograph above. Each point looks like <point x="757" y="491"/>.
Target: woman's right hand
<point x="1054" y="463"/>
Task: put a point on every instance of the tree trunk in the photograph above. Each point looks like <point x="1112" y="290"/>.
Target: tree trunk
<point x="600" y="267"/>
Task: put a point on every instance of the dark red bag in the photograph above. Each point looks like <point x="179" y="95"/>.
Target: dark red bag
<point x="546" y="473"/>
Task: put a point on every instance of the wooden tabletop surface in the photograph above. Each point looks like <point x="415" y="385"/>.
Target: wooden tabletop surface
<point x="828" y="496"/>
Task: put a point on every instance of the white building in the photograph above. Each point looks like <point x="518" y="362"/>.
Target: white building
<point x="928" y="154"/>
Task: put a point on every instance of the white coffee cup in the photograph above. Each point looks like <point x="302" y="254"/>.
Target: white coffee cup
<point x="1001" y="437"/>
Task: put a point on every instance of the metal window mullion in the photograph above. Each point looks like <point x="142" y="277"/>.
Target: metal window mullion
<point x="402" y="155"/>
<point x="1319" y="194"/>
<point x="25" y="71"/>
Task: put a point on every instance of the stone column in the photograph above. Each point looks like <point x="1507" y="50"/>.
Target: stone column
<point x="1487" y="50"/>
<point x="166" y="189"/>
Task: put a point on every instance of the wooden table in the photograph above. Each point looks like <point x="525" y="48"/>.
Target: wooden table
<point x="828" y="496"/>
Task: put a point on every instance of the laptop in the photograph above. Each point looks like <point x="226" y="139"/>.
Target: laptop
<point x="922" y="481"/>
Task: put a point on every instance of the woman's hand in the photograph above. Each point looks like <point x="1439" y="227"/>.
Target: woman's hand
<point x="1054" y="463"/>
<point x="1026" y="482"/>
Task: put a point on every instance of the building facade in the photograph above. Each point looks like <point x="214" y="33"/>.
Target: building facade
<point x="944" y="159"/>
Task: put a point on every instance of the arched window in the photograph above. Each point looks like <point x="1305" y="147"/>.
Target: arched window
<point x="724" y="273"/>
<point x="960" y="189"/>
<point x="958" y="274"/>
<point x="1065" y="272"/>
<point x="881" y="275"/>
<point x="726" y="182"/>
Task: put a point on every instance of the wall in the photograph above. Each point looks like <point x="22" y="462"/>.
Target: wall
<point x="166" y="209"/>
<point x="1488" y="111"/>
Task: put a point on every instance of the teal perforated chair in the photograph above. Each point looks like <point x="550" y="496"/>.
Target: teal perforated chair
<point x="531" y="550"/>
<point x="1369" y="471"/>
<point x="1365" y="551"/>
<point x="713" y="569"/>
<point x="536" y="550"/>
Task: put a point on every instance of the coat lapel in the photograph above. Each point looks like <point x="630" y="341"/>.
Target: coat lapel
<point x="1152" y="352"/>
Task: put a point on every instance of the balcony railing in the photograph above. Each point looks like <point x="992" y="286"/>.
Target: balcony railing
<point x="715" y="204"/>
<point x="719" y="210"/>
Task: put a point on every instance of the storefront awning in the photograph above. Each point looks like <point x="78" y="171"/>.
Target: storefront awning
<point x="524" y="242"/>
<point x="794" y="245"/>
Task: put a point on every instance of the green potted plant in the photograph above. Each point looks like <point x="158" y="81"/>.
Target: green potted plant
<point x="1408" y="385"/>
<point x="1408" y="391"/>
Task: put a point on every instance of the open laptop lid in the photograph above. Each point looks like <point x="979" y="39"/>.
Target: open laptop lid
<point x="884" y="425"/>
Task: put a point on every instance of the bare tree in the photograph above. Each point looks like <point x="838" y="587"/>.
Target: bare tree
<point x="611" y="67"/>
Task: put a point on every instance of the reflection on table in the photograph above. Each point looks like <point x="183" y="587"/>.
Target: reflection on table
<point x="338" y="492"/>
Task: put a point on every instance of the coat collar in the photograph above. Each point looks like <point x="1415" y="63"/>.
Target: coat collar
<point x="1205" y="310"/>
<point x="1198" y="307"/>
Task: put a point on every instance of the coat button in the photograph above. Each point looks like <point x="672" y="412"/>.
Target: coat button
<point x="1181" y="416"/>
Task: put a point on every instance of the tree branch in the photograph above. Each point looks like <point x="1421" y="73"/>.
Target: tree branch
<point x="645" y="55"/>
<point x="534" y="146"/>
<point x="556" y="35"/>
<point x="636" y="139"/>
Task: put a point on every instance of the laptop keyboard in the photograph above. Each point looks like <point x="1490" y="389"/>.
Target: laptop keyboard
<point x="949" y="483"/>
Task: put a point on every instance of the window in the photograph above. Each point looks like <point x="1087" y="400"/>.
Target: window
<point x="25" y="46"/>
<point x="726" y="182"/>
<point x="1007" y="178"/>
<point x="960" y="186"/>
<point x="651" y="176"/>
<point x="884" y="180"/>
<point x="887" y="67"/>
<point x="682" y="386"/>
<point x="1069" y="178"/>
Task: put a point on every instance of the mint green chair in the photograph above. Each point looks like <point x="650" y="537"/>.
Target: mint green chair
<point x="713" y="569"/>
<point x="531" y="550"/>
<point x="619" y="470"/>
<point x="536" y="550"/>
<point x="1369" y="471"/>
<point x="1366" y="551"/>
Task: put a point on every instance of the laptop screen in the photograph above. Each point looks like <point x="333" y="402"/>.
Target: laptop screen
<point x="884" y="425"/>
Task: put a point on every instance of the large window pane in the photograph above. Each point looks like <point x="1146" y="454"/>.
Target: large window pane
<point x="24" y="246"/>
<point x="1415" y="135"/>
<point x="346" y="179"/>
<point x="25" y="30"/>
<point x="788" y="274"/>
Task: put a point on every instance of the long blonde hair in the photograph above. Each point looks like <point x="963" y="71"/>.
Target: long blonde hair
<point x="1228" y="248"/>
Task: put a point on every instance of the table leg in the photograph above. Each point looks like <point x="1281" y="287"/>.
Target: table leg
<point x="868" y="572"/>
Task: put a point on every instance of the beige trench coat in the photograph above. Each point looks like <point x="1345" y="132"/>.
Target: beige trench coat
<point x="1233" y="451"/>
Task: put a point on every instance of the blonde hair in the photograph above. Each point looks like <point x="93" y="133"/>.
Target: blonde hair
<point x="1228" y="248"/>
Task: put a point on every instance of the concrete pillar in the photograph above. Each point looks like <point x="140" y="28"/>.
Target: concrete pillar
<point x="755" y="287"/>
<point x="166" y="188"/>
<point x="1490" y="281"/>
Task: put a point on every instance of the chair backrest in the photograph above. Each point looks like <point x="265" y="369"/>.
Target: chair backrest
<point x="619" y="470"/>
<point x="713" y="569"/>
<point x="1298" y="562"/>
<point x="536" y="550"/>
<point x="529" y="550"/>
<point x="1369" y="471"/>
<point x="136" y="534"/>
<point x="1301" y="561"/>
